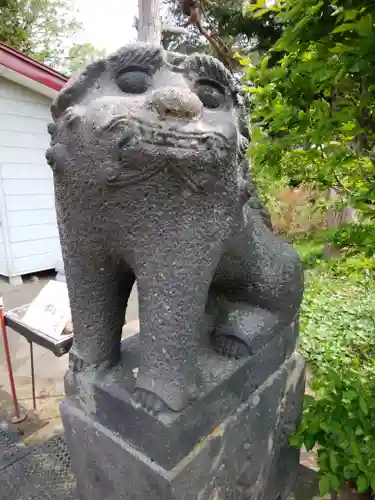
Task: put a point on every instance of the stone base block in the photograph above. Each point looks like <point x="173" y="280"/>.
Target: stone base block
<point x="245" y="457"/>
<point x="225" y="386"/>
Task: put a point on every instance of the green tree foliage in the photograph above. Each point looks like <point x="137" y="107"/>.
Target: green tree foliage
<point x="313" y="111"/>
<point x="44" y="30"/>
<point x="12" y="30"/>
<point x="227" y="20"/>
<point x="313" y="122"/>
<point x="39" y="28"/>
<point x="81" y="54"/>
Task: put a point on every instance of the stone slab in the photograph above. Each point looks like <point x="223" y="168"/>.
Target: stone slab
<point x="245" y="457"/>
<point x="169" y="437"/>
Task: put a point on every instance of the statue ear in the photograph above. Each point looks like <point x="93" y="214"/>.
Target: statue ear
<point x="252" y="196"/>
<point x="243" y="114"/>
<point x="77" y="86"/>
<point x="242" y="148"/>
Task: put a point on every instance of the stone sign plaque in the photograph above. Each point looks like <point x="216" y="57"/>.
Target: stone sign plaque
<point x="49" y="312"/>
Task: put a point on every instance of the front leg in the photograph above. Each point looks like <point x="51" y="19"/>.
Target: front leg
<point x="99" y="289"/>
<point x="172" y="296"/>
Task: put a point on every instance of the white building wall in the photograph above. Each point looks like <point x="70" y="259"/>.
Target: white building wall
<point x="29" y="228"/>
<point x="3" y="256"/>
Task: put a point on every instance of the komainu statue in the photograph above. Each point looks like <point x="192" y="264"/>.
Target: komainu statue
<point x="151" y="183"/>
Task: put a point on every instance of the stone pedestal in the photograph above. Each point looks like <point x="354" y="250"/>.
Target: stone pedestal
<point x="231" y="443"/>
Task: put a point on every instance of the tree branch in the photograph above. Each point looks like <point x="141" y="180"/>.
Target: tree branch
<point x="173" y="30"/>
<point x="192" y="9"/>
<point x="341" y="184"/>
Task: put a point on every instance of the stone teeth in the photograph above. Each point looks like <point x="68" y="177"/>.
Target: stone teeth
<point x="138" y="133"/>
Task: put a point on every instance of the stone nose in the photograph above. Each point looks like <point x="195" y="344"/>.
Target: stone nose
<point x="177" y="103"/>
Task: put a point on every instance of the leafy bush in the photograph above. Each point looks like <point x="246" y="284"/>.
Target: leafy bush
<point x="338" y="341"/>
<point x="356" y="238"/>
<point x="310" y="251"/>
<point x="312" y="98"/>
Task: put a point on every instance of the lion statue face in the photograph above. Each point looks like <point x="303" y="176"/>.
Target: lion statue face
<point x="139" y="114"/>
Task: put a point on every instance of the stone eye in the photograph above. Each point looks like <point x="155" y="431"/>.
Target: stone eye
<point x="211" y="95"/>
<point x="134" y="81"/>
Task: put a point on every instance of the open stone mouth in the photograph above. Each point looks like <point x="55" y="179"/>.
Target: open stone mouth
<point x="141" y="133"/>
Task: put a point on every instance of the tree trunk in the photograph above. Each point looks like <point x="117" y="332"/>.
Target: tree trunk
<point x="336" y="219"/>
<point x="149" y="24"/>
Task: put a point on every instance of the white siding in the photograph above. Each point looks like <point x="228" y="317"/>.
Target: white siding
<point x="29" y="228"/>
<point x="3" y="259"/>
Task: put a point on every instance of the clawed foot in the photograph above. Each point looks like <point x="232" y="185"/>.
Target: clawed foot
<point x="156" y="394"/>
<point x="230" y="347"/>
<point x="243" y="331"/>
<point x="149" y="402"/>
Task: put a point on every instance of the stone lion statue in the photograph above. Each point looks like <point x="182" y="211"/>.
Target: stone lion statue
<point x="152" y="185"/>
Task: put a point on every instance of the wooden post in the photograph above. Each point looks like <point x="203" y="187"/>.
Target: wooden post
<point x="149" y="22"/>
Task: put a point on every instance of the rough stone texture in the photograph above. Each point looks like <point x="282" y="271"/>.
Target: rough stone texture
<point x="11" y="448"/>
<point x="151" y="183"/>
<point x="168" y="437"/>
<point x="245" y="457"/>
<point x="41" y="472"/>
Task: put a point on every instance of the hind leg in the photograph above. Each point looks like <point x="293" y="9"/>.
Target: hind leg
<point x="257" y="290"/>
<point x="242" y="329"/>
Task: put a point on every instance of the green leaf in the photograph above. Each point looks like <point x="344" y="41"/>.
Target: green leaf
<point x="363" y="483"/>
<point x="324" y="485"/>
<point x="365" y="25"/>
<point x="264" y="63"/>
<point x="296" y="441"/>
<point x="363" y="406"/>
<point x="350" y="14"/>
<point x="345" y="27"/>
<point x="254" y="90"/>
<point x="350" y="472"/>
<point x="335" y="481"/>
<point x="350" y="395"/>
<point x="348" y="126"/>
<point x="259" y="4"/>
<point x="333" y="461"/>
<point x="309" y="443"/>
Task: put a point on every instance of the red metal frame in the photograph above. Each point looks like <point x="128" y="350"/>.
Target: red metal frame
<point x="17" y="414"/>
<point x="24" y="65"/>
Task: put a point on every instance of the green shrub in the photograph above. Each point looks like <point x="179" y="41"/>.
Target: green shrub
<point x="338" y="341"/>
<point x="355" y="238"/>
<point x="310" y="251"/>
